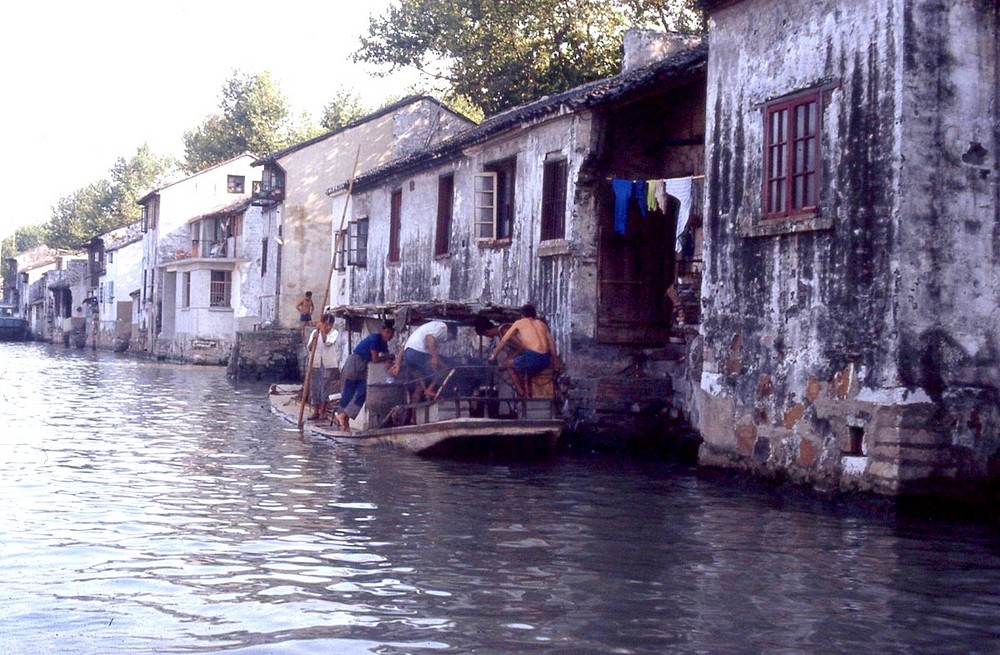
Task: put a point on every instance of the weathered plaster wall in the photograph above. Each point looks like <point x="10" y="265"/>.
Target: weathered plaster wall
<point x="508" y="272"/>
<point x="307" y="222"/>
<point x="949" y="268"/>
<point x="823" y="338"/>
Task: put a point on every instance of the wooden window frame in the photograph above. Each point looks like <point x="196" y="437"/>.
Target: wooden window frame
<point x="357" y="243"/>
<point x="793" y="129"/>
<point x="445" y="213"/>
<point x="555" y="180"/>
<point x="235" y="183"/>
<point x="485" y="226"/>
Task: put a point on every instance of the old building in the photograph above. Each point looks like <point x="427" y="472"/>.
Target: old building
<point x="172" y="232"/>
<point x="852" y="250"/>
<point x="115" y="264"/>
<point x="298" y="219"/>
<point x="550" y="203"/>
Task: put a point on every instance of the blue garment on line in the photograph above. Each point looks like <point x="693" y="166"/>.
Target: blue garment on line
<point x="623" y="193"/>
<point x="642" y="196"/>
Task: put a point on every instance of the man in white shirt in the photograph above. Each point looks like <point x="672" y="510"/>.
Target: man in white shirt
<point x="420" y="355"/>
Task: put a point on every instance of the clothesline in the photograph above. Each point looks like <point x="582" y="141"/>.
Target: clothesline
<point x="651" y="195"/>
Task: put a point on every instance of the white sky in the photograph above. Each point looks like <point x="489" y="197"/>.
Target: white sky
<point x="87" y="82"/>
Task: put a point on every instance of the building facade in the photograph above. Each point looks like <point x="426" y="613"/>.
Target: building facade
<point x="852" y="254"/>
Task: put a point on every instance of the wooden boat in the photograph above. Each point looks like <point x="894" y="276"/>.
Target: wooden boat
<point x="12" y="326"/>
<point x="452" y="425"/>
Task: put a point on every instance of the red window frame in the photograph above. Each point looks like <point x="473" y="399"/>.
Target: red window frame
<point x="792" y="132"/>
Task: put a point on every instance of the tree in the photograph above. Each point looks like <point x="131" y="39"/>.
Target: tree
<point x="503" y="54"/>
<point x="107" y="204"/>
<point x="253" y="117"/>
<point x="79" y="217"/>
<point x="133" y="178"/>
<point x="345" y="108"/>
<point x="24" y="238"/>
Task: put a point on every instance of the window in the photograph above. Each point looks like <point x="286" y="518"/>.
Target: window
<point x="111" y="257"/>
<point x="235" y="183"/>
<point x="792" y="135"/>
<point x="186" y="290"/>
<point x="263" y="256"/>
<point x="340" y="251"/>
<point x="446" y="197"/>
<point x="110" y="288"/>
<point x="554" y="199"/>
<point x="395" y="220"/>
<point x="357" y="242"/>
<point x="494" y="192"/>
<point x="220" y="289"/>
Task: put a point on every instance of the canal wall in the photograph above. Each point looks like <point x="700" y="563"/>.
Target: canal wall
<point x="270" y="354"/>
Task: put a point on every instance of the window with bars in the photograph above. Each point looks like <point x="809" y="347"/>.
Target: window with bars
<point x="220" y="289"/>
<point x="792" y="138"/>
<point x="554" y="177"/>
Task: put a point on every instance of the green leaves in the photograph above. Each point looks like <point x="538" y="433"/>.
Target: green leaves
<point x="253" y="118"/>
<point x="504" y="53"/>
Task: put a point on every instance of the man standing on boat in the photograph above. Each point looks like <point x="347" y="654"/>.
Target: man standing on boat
<point x="420" y="355"/>
<point x="533" y="335"/>
<point x="324" y="364"/>
<point x="372" y="349"/>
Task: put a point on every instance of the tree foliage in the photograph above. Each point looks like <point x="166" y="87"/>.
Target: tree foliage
<point x="345" y="108"/>
<point x="500" y="54"/>
<point x="107" y="204"/>
<point x="253" y="117"/>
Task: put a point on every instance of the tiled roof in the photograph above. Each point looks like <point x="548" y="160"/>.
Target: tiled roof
<point x="680" y="67"/>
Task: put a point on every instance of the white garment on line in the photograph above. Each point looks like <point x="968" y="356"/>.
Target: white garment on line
<point x="680" y="188"/>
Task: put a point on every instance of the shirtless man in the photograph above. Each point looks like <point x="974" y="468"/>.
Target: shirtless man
<point x="539" y="349"/>
<point x="306" y="308"/>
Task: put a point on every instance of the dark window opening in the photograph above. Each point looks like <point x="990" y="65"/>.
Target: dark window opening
<point x="446" y="193"/>
<point x="395" y="221"/>
<point x="554" y="200"/>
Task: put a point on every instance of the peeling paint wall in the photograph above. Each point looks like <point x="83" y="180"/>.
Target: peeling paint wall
<point x="305" y="216"/>
<point x="657" y="135"/>
<point x="856" y="348"/>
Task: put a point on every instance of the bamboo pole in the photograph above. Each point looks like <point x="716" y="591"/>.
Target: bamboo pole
<point x="326" y="294"/>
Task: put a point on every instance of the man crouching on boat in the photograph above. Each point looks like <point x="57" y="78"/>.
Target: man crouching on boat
<point x="372" y="349"/>
<point x="532" y="334"/>
<point x="420" y="355"/>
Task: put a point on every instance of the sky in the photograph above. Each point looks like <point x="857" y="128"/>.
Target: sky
<point x="85" y="83"/>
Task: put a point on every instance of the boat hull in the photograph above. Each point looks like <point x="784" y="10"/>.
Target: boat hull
<point x="450" y="437"/>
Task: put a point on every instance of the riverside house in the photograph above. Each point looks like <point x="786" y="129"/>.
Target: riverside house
<point x="852" y="258"/>
<point x="298" y="219"/>
<point x="189" y="257"/>
<point x="523" y="208"/>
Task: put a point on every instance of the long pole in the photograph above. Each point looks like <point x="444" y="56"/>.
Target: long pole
<point x="326" y="294"/>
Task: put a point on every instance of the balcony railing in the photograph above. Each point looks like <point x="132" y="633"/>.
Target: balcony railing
<point x="265" y="195"/>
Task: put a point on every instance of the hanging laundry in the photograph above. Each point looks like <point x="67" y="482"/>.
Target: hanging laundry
<point x="680" y="188"/>
<point x="661" y="195"/>
<point x="641" y="196"/>
<point x="651" y="196"/>
<point x="623" y="190"/>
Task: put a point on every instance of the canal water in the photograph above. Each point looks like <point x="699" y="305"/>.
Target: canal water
<point x="155" y="508"/>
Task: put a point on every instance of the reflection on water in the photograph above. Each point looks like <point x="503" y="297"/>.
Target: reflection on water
<point x="151" y="508"/>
